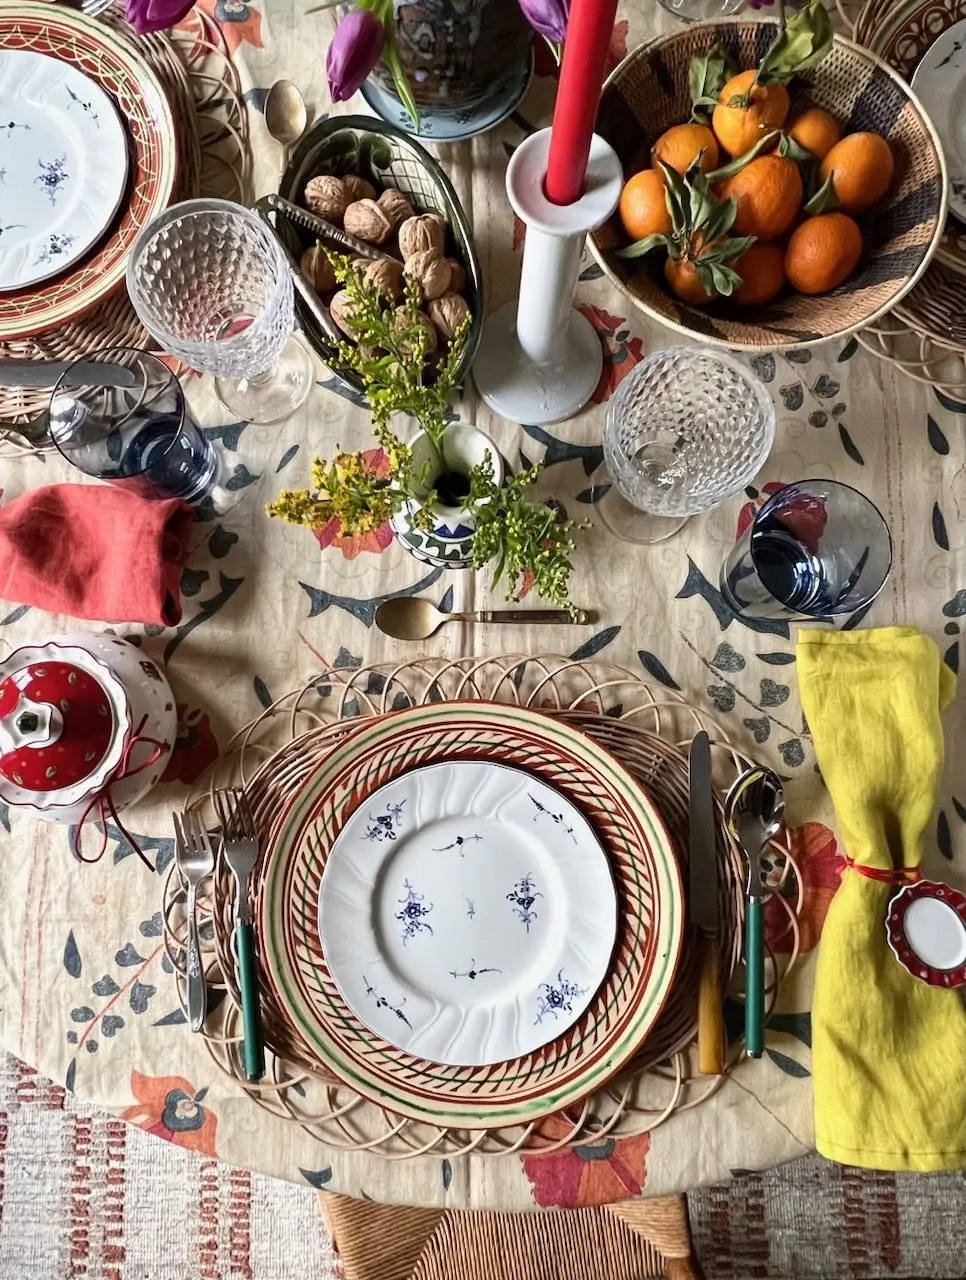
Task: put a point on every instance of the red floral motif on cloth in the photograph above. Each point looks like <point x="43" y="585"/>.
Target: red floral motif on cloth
<point x="592" y="1174"/>
<point x="621" y="351"/>
<point x="747" y="512"/>
<point x="239" y="22"/>
<point x="195" y="746"/>
<point x="817" y="856"/>
<point x="377" y="540"/>
<point x="170" y="1108"/>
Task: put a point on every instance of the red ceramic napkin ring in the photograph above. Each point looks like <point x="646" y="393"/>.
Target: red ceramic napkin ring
<point x="926" y="929"/>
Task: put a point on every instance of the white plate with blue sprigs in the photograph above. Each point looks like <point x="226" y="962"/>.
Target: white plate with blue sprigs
<point x="940" y="85"/>
<point x="467" y="913"/>
<point x="63" y="166"/>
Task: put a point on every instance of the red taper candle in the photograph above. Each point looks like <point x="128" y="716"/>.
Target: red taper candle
<point x="589" y="29"/>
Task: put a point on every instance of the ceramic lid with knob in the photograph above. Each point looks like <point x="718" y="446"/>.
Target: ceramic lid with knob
<point x="63" y="725"/>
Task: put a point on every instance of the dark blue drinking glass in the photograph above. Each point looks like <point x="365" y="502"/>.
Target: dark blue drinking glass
<point x="816" y="549"/>
<point x="120" y="415"/>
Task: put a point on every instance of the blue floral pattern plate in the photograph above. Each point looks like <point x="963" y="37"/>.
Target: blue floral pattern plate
<point x="63" y="166"/>
<point x="940" y="84"/>
<point x="468" y="913"/>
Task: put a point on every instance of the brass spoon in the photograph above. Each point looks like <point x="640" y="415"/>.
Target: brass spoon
<point x="285" y="116"/>
<point x="410" y="618"/>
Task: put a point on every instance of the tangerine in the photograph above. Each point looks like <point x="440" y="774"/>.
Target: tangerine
<point x="768" y="192"/>
<point x="746" y="111"/>
<point x="861" y="167"/>
<point x="678" y="147"/>
<point x="762" y="275"/>
<point x="822" y="252"/>
<point x="815" y="130"/>
<point x="684" y="281"/>
<point x="643" y="209"/>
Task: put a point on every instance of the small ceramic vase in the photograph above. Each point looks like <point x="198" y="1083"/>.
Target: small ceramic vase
<point x="449" y="544"/>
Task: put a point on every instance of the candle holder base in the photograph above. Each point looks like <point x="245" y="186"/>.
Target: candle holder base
<point x="518" y="389"/>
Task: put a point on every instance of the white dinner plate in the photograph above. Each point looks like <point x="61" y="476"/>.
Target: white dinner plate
<point x="467" y="913"/>
<point x="940" y="84"/>
<point x="63" y="166"/>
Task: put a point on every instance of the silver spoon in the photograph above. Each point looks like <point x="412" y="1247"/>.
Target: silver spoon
<point x="409" y="618"/>
<point x="754" y="810"/>
<point x="285" y="117"/>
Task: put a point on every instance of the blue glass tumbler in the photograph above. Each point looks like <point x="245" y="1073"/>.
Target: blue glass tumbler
<point x="120" y="415"/>
<point x="816" y="549"/>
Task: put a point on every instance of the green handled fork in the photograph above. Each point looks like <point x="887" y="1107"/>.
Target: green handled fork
<point x="240" y="849"/>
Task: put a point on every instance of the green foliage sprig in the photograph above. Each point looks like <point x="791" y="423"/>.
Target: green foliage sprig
<point x="526" y="540"/>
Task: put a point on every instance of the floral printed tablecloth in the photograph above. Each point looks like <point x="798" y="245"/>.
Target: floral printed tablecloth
<point x="84" y="991"/>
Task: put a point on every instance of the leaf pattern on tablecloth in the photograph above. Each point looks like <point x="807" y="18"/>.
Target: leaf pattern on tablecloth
<point x="364" y="610"/>
<point x="239" y="20"/>
<point x="113" y="996"/>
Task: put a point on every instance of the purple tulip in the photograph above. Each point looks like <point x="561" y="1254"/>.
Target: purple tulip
<point x="547" y="17"/>
<point x="353" y="53"/>
<point x="146" y="16"/>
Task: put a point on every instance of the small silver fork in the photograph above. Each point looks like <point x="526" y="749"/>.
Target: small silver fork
<point x="240" y="849"/>
<point x="196" y="860"/>
<point x="94" y="8"/>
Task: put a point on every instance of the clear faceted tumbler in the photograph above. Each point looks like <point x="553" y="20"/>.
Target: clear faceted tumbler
<point x="687" y="429"/>
<point x="210" y="283"/>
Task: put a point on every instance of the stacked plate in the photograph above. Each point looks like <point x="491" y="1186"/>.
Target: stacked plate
<point x="925" y="41"/>
<point x="87" y="157"/>
<point x="470" y="912"/>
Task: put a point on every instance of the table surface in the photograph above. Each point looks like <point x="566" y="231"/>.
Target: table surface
<point x="84" y="995"/>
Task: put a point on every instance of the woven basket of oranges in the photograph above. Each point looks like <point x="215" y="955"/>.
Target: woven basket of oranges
<point x="782" y="187"/>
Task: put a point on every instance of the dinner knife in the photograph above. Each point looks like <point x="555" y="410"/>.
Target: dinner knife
<point x="703" y="904"/>
<point x="46" y="373"/>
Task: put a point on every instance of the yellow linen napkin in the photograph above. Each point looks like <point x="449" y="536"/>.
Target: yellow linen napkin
<point x="888" y="1051"/>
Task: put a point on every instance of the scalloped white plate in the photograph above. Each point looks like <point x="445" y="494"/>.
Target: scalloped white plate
<point x="63" y="166"/>
<point x="467" y="913"/>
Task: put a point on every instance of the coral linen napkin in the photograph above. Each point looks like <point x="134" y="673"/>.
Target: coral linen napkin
<point x="95" y="552"/>
<point x="888" y="1052"/>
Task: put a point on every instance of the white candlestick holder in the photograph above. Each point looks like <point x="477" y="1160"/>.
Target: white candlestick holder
<point x="540" y="359"/>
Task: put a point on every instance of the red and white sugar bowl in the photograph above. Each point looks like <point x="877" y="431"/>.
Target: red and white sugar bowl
<point x="87" y="725"/>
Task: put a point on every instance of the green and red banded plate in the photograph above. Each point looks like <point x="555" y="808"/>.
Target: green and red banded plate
<point x="110" y="62"/>
<point x="900" y="32"/>
<point x="649" y="931"/>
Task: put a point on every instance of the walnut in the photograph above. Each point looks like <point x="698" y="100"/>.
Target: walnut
<point x="357" y="188"/>
<point x="340" y="309"/>
<point x="325" y="196"/>
<point x="424" y="231"/>
<point x="386" y="276"/>
<point x="447" y="314"/>
<point x="402" y="320"/>
<point x="365" y="219"/>
<point x="458" y="281"/>
<point x="395" y="206"/>
<point x="317" y="269"/>
<point x="431" y="272"/>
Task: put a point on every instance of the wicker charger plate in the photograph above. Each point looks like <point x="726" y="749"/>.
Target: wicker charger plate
<point x="113" y="64"/>
<point x="642" y="862"/>
<point x="649" y="92"/>
<point x="648" y="726"/>
<point x="900" y="33"/>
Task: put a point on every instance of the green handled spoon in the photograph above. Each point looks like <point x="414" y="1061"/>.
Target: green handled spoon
<point x="754" y="809"/>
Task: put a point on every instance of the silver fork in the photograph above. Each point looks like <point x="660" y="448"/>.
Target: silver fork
<point x="240" y="849"/>
<point x="196" y="860"/>
<point x="94" y="8"/>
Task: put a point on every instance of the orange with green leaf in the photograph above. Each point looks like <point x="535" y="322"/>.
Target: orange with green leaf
<point x="723" y="226"/>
